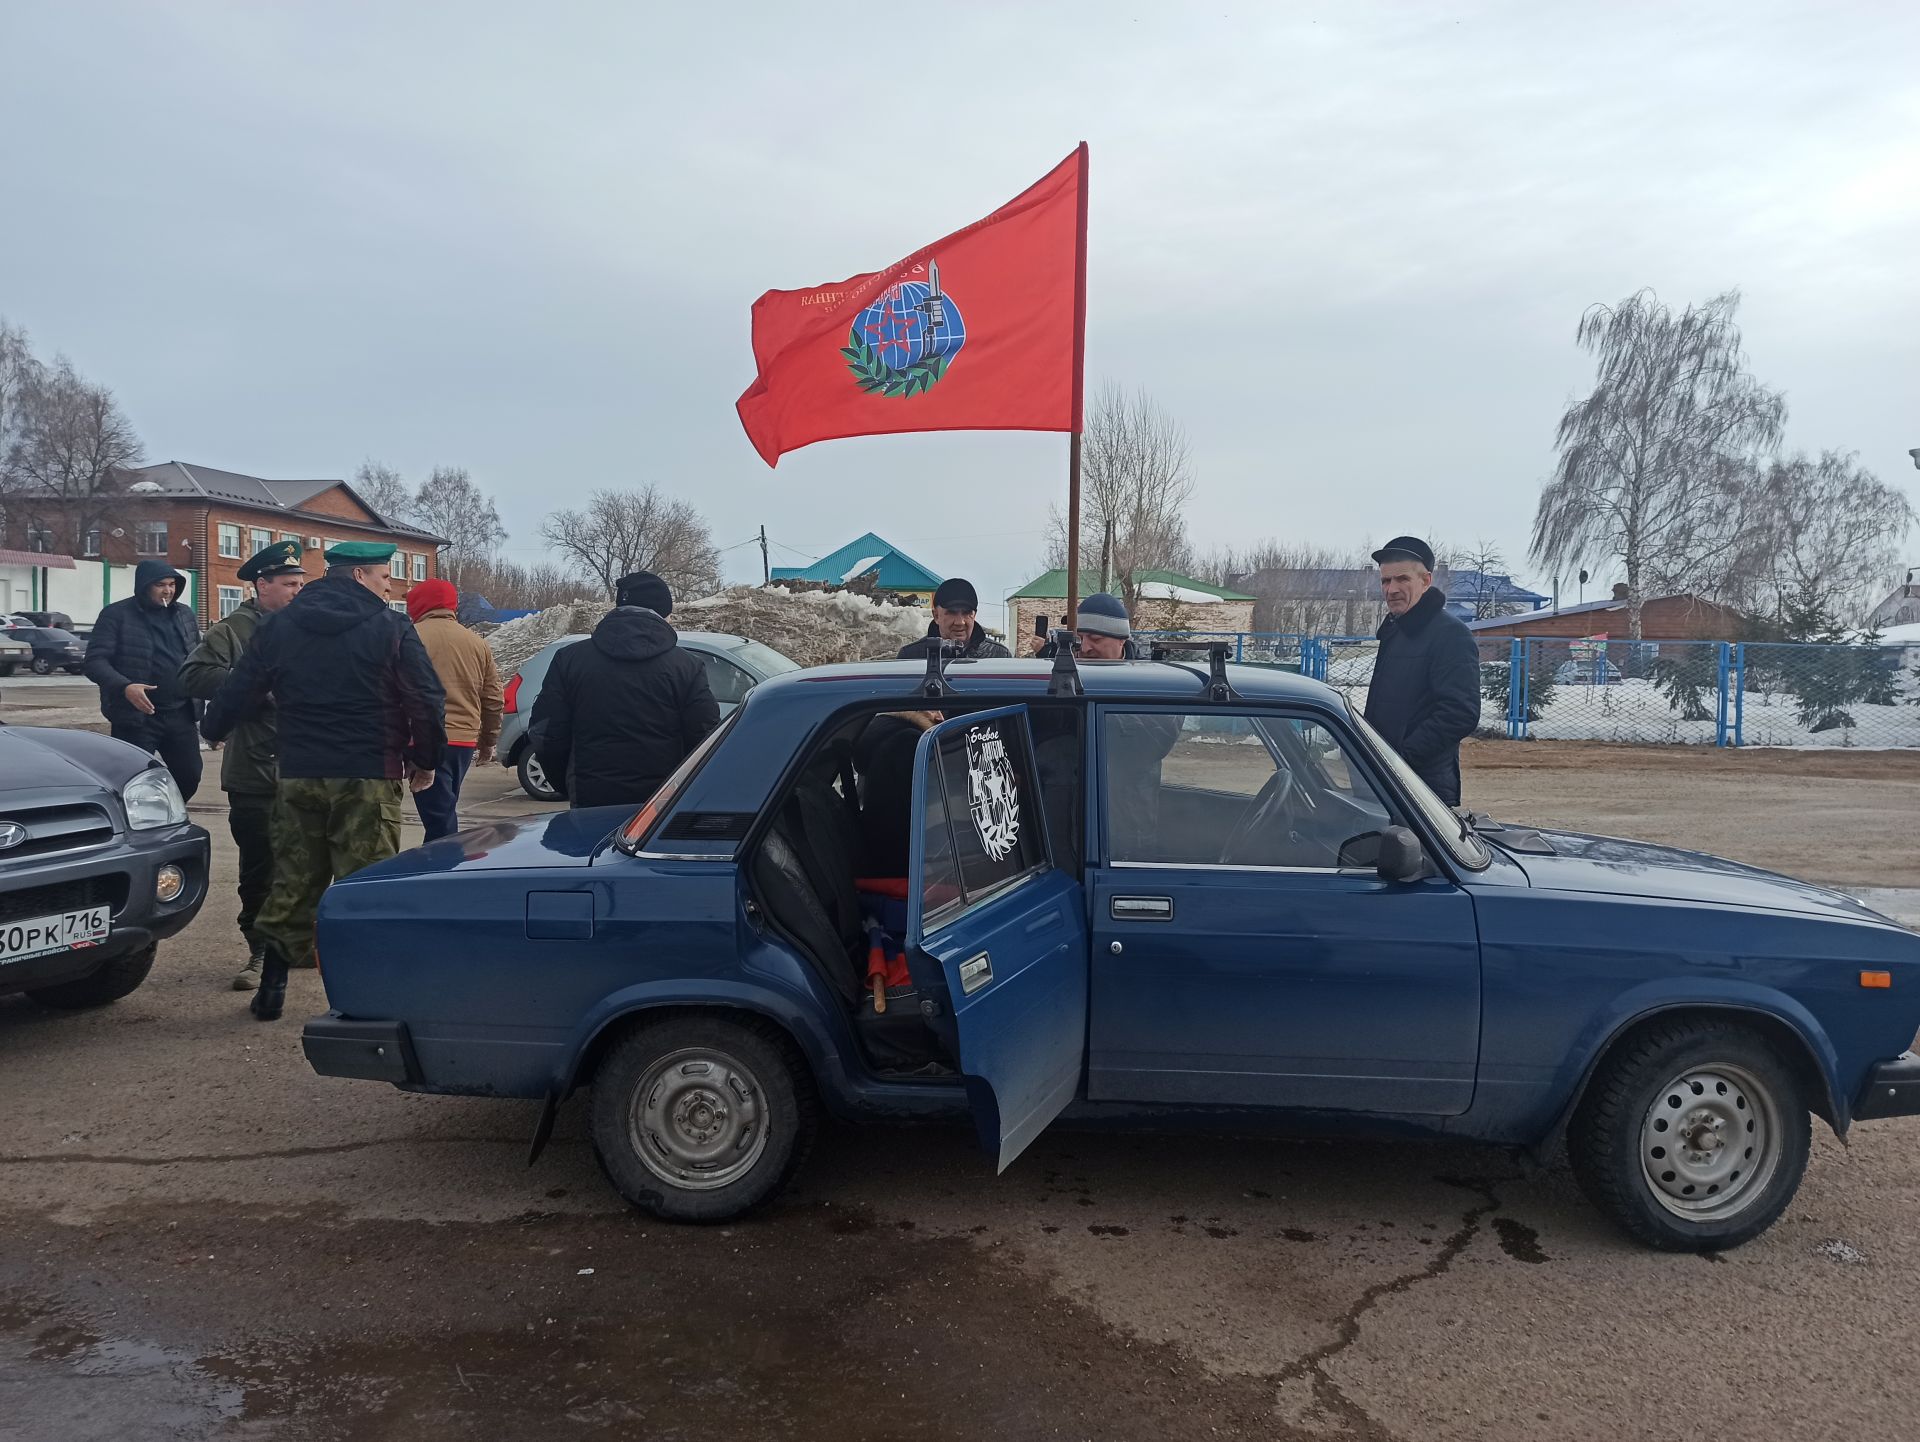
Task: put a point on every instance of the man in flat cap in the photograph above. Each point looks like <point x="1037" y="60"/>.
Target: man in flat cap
<point x="247" y="772"/>
<point x="621" y="709"/>
<point x="1424" y="698"/>
<point x="956" y="619"/>
<point x="361" y="717"/>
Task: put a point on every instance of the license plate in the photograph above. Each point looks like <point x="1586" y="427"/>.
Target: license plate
<point x="22" y="939"/>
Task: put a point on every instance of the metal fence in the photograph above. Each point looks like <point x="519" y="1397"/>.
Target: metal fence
<point x="1702" y="693"/>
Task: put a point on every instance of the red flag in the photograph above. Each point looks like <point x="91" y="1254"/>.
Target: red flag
<point x="981" y="331"/>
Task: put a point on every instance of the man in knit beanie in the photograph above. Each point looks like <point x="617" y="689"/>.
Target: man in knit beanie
<point x="466" y="669"/>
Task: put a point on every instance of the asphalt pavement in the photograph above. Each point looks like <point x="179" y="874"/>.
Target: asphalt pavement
<point x="200" y="1238"/>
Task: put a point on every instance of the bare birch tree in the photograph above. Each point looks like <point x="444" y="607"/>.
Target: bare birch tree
<point x="1654" y="462"/>
<point x="624" y="531"/>
<point x="384" y="489"/>
<point x="1135" y="482"/>
<point x="1827" y="534"/>
<point x="69" y="442"/>
<point x="449" y="504"/>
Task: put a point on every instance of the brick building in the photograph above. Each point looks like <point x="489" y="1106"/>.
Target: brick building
<point x="1662" y="618"/>
<point x="207" y="522"/>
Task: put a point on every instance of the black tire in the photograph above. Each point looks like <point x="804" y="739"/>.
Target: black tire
<point x="113" y="980"/>
<point x="41" y="666"/>
<point x="533" y="780"/>
<point x="751" y="1068"/>
<point x="1716" y="1083"/>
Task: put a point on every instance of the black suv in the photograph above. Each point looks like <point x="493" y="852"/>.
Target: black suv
<point x="98" y="863"/>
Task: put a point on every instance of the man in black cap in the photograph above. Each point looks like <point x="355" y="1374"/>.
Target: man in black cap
<point x="134" y="657"/>
<point x="956" y="608"/>
<point x="621" y="709"/>
<point x="248" y="770"/>
<point x="1424" y="698"/>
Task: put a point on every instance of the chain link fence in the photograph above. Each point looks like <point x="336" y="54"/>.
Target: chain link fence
<point x="1700" y="693"/>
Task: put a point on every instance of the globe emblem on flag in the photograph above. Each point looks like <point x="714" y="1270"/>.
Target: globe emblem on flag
<point x="903" y="342"/>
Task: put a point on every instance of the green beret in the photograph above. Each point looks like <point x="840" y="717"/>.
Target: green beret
<point x="279" y="559"/>
<point x="360" y="553"/>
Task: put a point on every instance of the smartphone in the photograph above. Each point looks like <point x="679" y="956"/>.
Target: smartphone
<point x="1040" y="628"/>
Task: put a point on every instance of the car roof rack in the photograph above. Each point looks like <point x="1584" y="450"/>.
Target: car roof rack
<point x="1219" y="688"/>
<point x="1065" y="680"/>
<point x="935" y="684"/>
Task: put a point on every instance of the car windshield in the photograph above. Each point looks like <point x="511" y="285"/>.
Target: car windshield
<point x="763" y="661"/>
<point x="1454" y="834"/>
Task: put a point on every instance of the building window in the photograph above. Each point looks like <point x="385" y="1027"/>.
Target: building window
<point x="400" y="606"/>
<point x="286" y="536"/>
<point x="261" y="540"/>
<point x="397" y="565"/>
<point x="90" y="543"/>
<point x="420" y="567"/>
<point x="150" y="538"/>
<point x="39" y="537"/>
<point x="230" y="599"/>
<point x="230" y="542"/>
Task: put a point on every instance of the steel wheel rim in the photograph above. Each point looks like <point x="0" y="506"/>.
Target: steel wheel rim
<point x="1710" y="1142"/>
<point x="698" y="1119"/>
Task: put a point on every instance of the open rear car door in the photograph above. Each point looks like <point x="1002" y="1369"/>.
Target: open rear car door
<point x="996" y="933"/>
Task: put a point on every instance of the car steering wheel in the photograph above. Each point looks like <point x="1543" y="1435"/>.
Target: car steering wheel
<point x="1271" y="809"/>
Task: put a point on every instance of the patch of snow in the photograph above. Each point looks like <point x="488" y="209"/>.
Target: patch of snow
<point x="1167" y="591"/>
<point x="859" y="569"/>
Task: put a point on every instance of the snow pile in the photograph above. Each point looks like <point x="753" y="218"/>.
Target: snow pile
<point x="814" y="628"/>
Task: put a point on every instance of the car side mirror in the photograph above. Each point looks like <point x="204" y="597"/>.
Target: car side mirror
<point x="1401" y="855"/>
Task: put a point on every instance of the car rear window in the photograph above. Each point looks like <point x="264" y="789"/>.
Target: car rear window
<point x="634" y="835"/>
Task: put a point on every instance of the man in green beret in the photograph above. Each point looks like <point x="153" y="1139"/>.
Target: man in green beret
<point x="247" y="770"/>
<point x="361" y="717"/>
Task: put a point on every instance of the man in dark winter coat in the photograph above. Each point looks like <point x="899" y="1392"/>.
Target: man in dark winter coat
<point x="956" y="608"/>
<point x="361" y="717"/>
<point x="134" y="657"/>
<point x="1424" y="698"/>
<point x="621" y="709"/>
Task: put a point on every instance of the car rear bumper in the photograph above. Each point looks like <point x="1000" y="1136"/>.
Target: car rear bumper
<point x="1892" y="1090"/>
<point x="344" y="1046"/>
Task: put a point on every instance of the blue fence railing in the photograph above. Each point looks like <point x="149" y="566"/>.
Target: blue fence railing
<point x="1718" y="693"/>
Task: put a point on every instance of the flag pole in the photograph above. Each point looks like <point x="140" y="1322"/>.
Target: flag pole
<point x="1079" y="396"/>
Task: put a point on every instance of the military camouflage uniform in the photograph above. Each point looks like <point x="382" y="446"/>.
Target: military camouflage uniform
<point x="247" y="767"/>
<point x="323" y="827"/>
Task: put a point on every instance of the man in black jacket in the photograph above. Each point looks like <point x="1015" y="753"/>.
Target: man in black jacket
<point x="619" y="710"/>
<point x="1424" y="698"/>
<point x="360" y="717"/>
<point x="956" y="608"/>
<point x="134" y="657"/>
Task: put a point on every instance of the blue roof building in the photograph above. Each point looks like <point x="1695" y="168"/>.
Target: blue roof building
<point x="893" y="569"/>
<point x="1503" y="597"/>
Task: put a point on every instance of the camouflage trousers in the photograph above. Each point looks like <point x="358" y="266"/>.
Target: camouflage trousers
<point x="323" y="828"/>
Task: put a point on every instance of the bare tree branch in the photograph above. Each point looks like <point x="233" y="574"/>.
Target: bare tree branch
<point x="624" y="531"/>
<point x="450" y="505"/>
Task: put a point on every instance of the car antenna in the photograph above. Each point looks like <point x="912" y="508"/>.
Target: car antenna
<point x="935" y="685"/>
<point x="1065" y="680"/>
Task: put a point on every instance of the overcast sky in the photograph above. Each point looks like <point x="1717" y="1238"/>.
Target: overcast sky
<point x="1346" y="245"/>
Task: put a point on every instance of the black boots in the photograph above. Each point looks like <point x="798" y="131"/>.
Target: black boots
<point x="271" y="997"/>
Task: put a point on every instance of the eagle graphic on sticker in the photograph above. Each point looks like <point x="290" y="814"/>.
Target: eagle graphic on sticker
<point x="993" y="793"/>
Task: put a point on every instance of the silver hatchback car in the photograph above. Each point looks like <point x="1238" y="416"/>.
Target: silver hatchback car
<point x="734" y="665"/>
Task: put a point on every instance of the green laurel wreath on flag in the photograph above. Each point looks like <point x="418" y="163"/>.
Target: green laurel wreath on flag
<point x="876" y="378"/>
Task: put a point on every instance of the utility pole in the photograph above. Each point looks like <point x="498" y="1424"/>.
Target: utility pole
<point x="766" y="567"/>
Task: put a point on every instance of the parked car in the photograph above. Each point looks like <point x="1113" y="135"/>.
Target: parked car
<point x="734" y="666"/>
<point x="14" y="653"/>
<point x="1097" y="907"/>
<point x="58" y="619"/>
<point x="98" y="865"/>
<point x="53" y="649"/>
<point x="1598" y="671"/>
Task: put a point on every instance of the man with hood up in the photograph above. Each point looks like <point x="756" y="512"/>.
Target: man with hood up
<point x="134" y="657"/>
<point x="361" y="718"/>
<point x="620" y="710"/>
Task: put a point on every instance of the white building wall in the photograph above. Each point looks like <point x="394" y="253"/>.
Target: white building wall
<point x="80" y="591"/>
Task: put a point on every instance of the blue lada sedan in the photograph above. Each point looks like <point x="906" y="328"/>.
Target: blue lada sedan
<point x="1173" y="892"/>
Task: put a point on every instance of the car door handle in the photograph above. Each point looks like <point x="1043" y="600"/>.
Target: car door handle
<point x="1140" y="908"/>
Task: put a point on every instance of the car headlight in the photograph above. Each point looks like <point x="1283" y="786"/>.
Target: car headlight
<point x="152" y="799"/>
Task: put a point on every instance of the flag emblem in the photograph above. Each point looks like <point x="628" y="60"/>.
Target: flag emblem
<point x="903" y="343"/>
